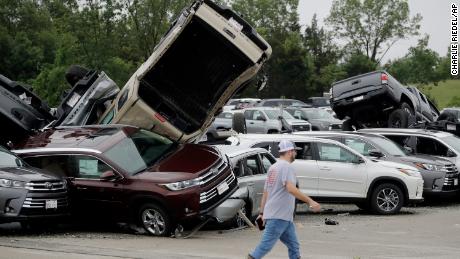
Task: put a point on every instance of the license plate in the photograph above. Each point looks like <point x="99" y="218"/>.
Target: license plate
<point x="455" y="181"/>
<point x="222" y="188"/>
<point x="51" y="204"/>
<point x="358" y="98"/>
<point x="451" y="127"/>
<point x="73" y="100"/>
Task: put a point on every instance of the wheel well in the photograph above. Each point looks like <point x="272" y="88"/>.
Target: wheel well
<point x="314" y="128"/>
<point x="384" y="180"/>
<point x="406" y="99"/>
<point x="272" y="131"/>
<point x="137" y="202"/>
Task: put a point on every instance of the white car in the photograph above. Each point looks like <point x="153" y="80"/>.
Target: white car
<point x="330" y="171"/>
<point x="268" y="120"/>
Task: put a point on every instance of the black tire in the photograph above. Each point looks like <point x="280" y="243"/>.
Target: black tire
<point x="399" y="118"/>
<point x="154" y="220"/>
<point x="386" y="199"/>
<point x="347" y="125"/>
<point x="406" y="107"/>
<point x="74" y="73"/>
<point x="239" y="123"/>
<point x="272" y="132"/>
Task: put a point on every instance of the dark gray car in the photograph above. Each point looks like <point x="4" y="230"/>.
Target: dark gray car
<point x="438" y="173"/>
<point x="319" y="118"/>
<point x="29" y="194"/>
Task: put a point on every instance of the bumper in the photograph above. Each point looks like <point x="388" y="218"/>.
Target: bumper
<point x="227" y="210"/>
<point x="22" y="218"/>
<point x="415" y="201"/>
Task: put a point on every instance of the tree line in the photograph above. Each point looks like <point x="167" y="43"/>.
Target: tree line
<point x="40" y="39"/>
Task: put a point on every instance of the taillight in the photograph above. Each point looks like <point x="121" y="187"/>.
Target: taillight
<point x="160" y="118"/>
<point x="384" y="78"/>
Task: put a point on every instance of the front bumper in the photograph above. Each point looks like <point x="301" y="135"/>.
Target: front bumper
<point x="227" y="210"/>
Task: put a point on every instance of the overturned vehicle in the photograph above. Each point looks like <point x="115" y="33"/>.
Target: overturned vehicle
<point x="378" y="100"/>
<point x="207" y="55"/>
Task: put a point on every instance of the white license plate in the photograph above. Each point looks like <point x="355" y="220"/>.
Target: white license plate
<point x="358" y="98"/>
<point x="73" y="100"/>
<point x="451" y="127"/>
<point x="51" y="204"/>
<point x="455" y="181"/>
<point x="222" y="188"/>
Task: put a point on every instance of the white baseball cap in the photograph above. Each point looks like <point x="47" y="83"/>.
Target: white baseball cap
<point x="286" y="145"/>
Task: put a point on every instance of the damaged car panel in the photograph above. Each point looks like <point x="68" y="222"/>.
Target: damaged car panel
<point x="208" y="54"/>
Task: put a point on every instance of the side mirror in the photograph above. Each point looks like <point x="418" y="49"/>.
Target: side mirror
<point x="376" y="153"/>
<point x="358" y="160"/>
<point x="108" y="175"/>
<point x="262" y="83"/>
<point x="409" y="150"/>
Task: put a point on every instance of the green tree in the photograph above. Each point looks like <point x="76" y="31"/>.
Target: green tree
<point x="372" y="26"/>
<point x="357" y="63"/>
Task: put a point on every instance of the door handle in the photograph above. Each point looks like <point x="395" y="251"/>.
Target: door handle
<point x="326" y="168"/>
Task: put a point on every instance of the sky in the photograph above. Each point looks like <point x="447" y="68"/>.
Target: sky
<point x="435" y="23"/>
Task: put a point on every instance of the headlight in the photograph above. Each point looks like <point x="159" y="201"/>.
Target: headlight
<point x="410" y="172"/>
<point x="11" y="183"/>
<point x="430" y="167"/>
<point x="183" y="184"/>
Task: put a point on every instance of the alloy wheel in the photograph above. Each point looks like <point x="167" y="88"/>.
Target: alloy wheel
<point x="387" y="199"/>
<point x="153" y="222"/>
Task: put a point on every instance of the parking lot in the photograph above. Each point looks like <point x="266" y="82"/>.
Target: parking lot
<point x="428" y="231"/>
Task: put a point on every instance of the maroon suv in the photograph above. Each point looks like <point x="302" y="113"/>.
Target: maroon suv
<point x="133" y="175"/>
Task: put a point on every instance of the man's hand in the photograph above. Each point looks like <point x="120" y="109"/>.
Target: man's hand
<point x="260" y="217"/>
<point x="314" y="206"/>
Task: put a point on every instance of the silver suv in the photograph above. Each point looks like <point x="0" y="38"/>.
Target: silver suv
<point x="267" y="120"/>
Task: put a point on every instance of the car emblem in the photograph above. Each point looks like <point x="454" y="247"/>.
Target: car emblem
<point x="48" y="185"/>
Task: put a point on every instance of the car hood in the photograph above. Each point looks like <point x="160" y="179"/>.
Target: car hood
<point x="426" y="160"/>
<point x="195" y="69"/>
<point x="194" y="160"/>
<point x="25" y="174"/>
<point x="394" y="165"/>
<point x="332" y="121"/>
<point x="297" y="122"/>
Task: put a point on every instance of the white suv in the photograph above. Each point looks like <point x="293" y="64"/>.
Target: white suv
<point x="330" y="171"/>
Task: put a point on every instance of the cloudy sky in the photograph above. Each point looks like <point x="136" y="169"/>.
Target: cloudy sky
<point x="435" y="23"/>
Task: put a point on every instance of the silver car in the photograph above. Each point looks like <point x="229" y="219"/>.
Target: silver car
<point x="250" y="166"/>
<point x="268" y="120"/>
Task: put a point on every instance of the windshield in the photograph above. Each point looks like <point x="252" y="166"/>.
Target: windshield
<point x="139" y="151"/>
<point x="389" y="146"/>
<point x="318" y="114"/>
<point x="453" y="141"/>
<point x="274" y="114"/>
<point x="9" y="160"/>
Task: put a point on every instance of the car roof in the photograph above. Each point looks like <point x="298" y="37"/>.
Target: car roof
<point x="339" y="133"/>
<point x="262" y="108"/>
<point x="92" y="137"/>
<point x="276" y="137"/>
<point x="435" y="133"/>
<point x="234" y="151"/>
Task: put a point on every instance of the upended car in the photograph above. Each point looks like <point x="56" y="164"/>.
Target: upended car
<point x="127" y="174"/>
<point x="29" y="195"/>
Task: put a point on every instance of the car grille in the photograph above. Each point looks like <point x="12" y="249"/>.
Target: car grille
<point x="210" y="196"/>
<point x="452" y="177"/>
<point x="41" y="191"/>
<point x="214" y="172"/>
<point x="300" y="127"/>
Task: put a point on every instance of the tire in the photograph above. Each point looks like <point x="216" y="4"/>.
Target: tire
<point x="74" y="73"/>
<point x="386" y="199"/>
<point x="398" y="119"/>
<point x="239" y="123"/>
<point x="406" y="107"/>
<point x="238" y="221"/>
<point x="154" y="220"/>
<point x="363" y="205"/>
<point x="347" y="125"/>
<point x="272" y="132"/>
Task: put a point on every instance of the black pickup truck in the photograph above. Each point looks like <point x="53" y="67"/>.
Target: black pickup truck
<point x="377" y="99"/>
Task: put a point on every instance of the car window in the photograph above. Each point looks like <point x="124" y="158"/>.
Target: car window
<point x="305" y="151"/>
<point x="225" y="115"/>
<point x="238" y="169"/>
<point x="271" y="103"/>
<point x="257" y="115"/>
<point x="267" y="161"/>
<point x="109" y="117"/>
<point x="297" y="114"/>
<point x="358" y="145"/>
<point x="248" y="114"/>
<point x="334" y="153"/>
<point x="9" y="160"/>
<point x="90" y="167"/>
<point x="402" y="141"/>
<point x="430" y="146"/>
<point x="264" y="145"/>
<point x="253" y="164"/>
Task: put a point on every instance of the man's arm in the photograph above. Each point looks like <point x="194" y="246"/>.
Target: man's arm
<point x="262" y="203"/>
<point x="292" y="189"/>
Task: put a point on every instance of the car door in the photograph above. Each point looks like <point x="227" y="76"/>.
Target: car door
<point x="306" y="168"/>
<point x="433" y="147"/>
<point x="256" y="121"/>
<point x="252" y="176"/>
<point x="340" y="173"/>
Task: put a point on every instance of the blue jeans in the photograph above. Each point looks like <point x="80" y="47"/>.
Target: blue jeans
<point x="278" y="229"/>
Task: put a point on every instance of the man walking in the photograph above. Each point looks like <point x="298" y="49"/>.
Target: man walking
<point x="278" y="204"/>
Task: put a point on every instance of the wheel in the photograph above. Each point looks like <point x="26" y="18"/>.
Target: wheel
<point x="272" y="132"/>
<point x="74" y="73"/>
<point x="399" y="118"/>
<point x="386" y="199"/>
<point x="239" y="123"/>
<point x="406" y="107"/>
<point x="347" y="125"/>
<point x="154" y="220"/>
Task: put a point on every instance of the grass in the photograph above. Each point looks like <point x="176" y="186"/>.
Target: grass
<point x="443" y="92"/>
